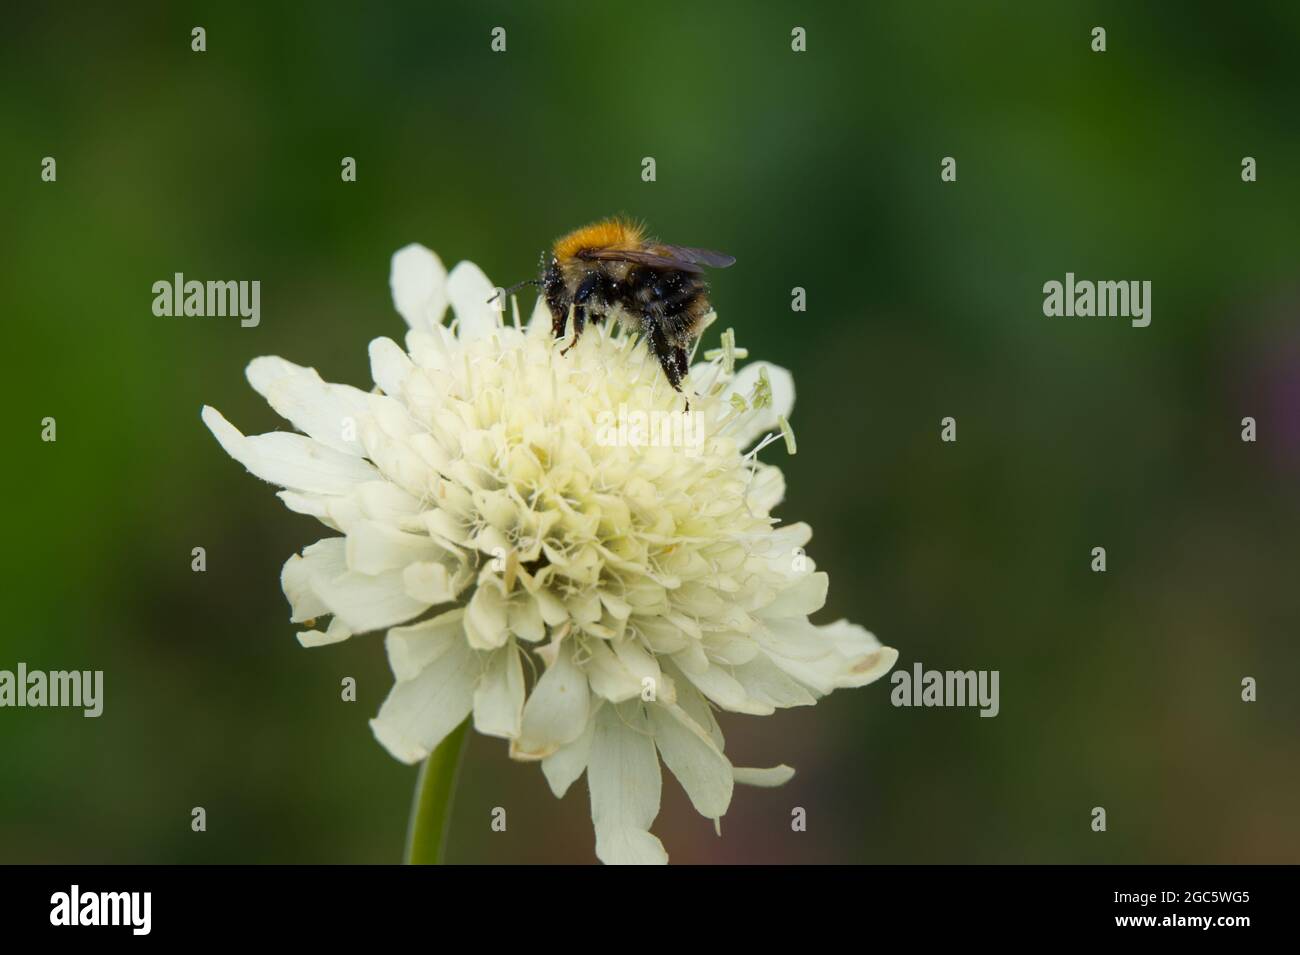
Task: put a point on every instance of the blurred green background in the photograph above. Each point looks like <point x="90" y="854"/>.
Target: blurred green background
<point x="819" y="170"/>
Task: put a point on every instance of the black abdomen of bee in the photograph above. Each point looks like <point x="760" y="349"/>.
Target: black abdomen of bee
<point x="672" y="299"/>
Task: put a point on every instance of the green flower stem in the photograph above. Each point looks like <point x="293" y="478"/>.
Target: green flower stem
<point x="426" y="834"/>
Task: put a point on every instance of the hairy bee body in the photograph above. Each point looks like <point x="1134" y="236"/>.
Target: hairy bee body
<point x="607" y="271"/>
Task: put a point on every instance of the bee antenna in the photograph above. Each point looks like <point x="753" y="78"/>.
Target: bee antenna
<point x="517" y="285"/>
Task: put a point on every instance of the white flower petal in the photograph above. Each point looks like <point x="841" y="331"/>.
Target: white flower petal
<point x="697" y="707"/>
<point x="566" y="764"/>
<point x="366" y="602"/>
<point x="325" y="557"/>
<point x="609" y="678"/>
<point x="557" y="710"/>
<point x="381" y="501"/>
<point x="329" y="413"/>
<point x="848" y="638"/>
<point x="389" y="365"/>
<point x="628" y="846"/>
<point x="539" y="319"/>
<point x="641" y="664"/>
<point x="290" y="460"/>
<point x="421" y="711"/>
<point x="525" y="618"/>
<point x="784" y="548"/>
<point x="805" y="596"/>
<point x="411" y="649"/>
<point x="313" y="505"/>
<point x="772" y="776"/>
<point x="337" y="632"/>
<point x="624" y="780"/>
<point x="692" y="757"/>
<point x="374" y="548"/>
<point x="767" y="683"/>
<point x="429" y="582"/>
<point x="486" y="618"/>
<point x="431" y="349"/>
<point x="419" y="284"/>
<point x="767" y="489"/>
<point x="867" y="660"/>
<point x="730" y="648"/>
<point x="856" y="660"/>
<point x="727" y="692"/>
<point x="792" y="637"/>
<point x="836" y="671"/>
<point x="499" y="699"/>
<point x="469" y="290"/>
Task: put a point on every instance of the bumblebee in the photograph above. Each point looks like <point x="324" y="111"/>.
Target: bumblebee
<point x="609" y="270"/>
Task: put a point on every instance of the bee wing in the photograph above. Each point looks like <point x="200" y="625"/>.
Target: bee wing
<point x="663" y="257"/>
<point x="641" y="257"/>
<point x="683" y="253"/>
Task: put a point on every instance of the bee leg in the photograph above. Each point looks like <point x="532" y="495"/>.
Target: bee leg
<point x="680" y="362"/>
<point x="672" y="359"/>
<point x="588" y="287"/>
<point x="579" y="322"/>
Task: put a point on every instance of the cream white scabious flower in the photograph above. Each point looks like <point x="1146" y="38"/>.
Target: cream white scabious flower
<point x="582" y="590"/>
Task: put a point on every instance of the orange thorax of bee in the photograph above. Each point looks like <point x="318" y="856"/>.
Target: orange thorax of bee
<point x="606" y="234"/>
